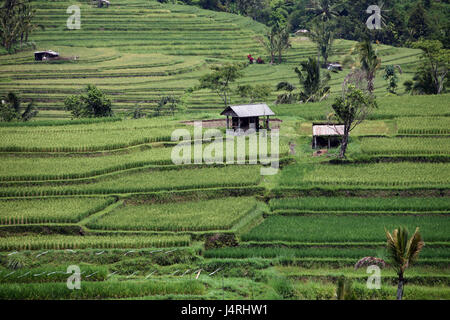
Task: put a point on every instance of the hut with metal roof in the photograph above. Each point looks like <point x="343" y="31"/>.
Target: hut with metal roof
<point x="244" y="117"/>
<point x="327" y="134"/>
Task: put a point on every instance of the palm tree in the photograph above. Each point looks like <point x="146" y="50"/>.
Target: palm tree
<point x="282" y="42"/>
<point x="403" y="252"/>
<point x="325" y="10"/>
<point x="10" y="109"/>
<point x="370" y="62"/>
<point x="269" y="43"/>
<point x="322" y="35"/>
<point x="315" y="84"/>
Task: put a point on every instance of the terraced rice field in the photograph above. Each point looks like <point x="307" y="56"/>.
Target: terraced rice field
<point x="105" y="194"/>
<point x="217" y="214"/>
<point x="138" y="51"/>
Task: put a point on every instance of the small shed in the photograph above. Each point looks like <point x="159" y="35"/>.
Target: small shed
<point x="103" y="3"/>
<point x="45" y="55"/>
<point x="245" y="117"/>
<point x="327" y="134"/>
<point x="334" y="66"/>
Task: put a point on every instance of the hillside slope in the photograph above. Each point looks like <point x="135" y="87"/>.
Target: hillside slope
<point x="138" y="51"/>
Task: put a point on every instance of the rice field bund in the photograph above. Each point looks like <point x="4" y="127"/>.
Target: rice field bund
<point x="104" y="193"/>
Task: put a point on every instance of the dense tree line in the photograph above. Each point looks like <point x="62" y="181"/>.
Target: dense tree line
<point x="16" y="22"/>
<point x="402" y="21"/>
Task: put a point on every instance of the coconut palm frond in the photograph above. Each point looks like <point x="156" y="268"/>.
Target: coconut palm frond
<point x="393" y="251"/>
<point x="13" y="101"/>
<point x="415" y="245"/>
<point x="29" y="112"/>
<point x="284" y="85"/>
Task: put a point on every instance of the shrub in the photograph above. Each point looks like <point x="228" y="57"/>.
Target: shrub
<point x="221" y="240"/>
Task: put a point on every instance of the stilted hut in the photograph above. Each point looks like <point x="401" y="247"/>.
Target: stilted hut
<point x="326" y="134"/>
<point x="244" y="117"/>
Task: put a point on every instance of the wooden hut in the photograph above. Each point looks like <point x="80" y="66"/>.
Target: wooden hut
<point x="45" y="55"/>
<point x="244" y="117"/>
<point x="326" y="134"/>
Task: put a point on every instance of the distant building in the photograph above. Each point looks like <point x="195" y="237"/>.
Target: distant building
<point x="45" y="55"/>
<point x="103" y="3"/>
<point x="334" y="66"/>
<point x="326" y="134"/>
<point x="301" y="32"/>
<point x="245" y="117"/>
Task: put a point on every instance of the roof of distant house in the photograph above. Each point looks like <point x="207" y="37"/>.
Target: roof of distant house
<point x="48" y="51"/>
<point x="328" y="129"/>
<point x="249" y="110"/>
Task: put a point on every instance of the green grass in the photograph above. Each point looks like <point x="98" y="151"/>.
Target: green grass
<point x="50" y="210"/>
<point x="313" y="290"/>
<point x="314" y="252"/>
<point x="410" y="204"/>
<point x="329" y="228"/>
<point x="57" y="242"/>
<point x="424" y="125"/>
<point x="389" y="107"/>
<point x="99" y="290"/>
<point x="159" y="49"/>
<point x="217" y="214"/>
<point x="34" y="139"/>
<point x="31" y="168"/>
<point x="149" y="181"/>
<point x="404" y="174"/>
<point x="52" y="274"/>
<point x="406" y="146"/>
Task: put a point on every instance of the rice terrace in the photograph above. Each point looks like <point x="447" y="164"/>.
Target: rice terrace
<point x="97" y="97"/>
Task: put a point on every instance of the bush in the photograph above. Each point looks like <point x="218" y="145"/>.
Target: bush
<point x="221" y="240"/>
<point x="93" y="105"/>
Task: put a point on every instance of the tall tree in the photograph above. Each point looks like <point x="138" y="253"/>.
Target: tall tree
<point x="418" y="23"/>
<point x="276" y="41"/>
<point x="351" y="109"/>
<point x="322" y="34"/>
<point x="16" y="22"/>
<point x="370" y="62"/>
<point x="325" y="10"/>
<point x="432" y="75"/>
<point x="282" y="42"/>
<point x="220" y="80"/>
<point x="269" y="43"/>
<point x="403" y="252"/>
<point x="314" y="83"/>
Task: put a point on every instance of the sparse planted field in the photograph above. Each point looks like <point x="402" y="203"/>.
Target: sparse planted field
<point x="50" y="210"/>
<point x="329" y="228"/>
<point x="354" y="204"/>
<point x="57" y="242"/>
<point x="405" y="146"/>
<point x="219" y="214"/>
<point x="403" y="175"/>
